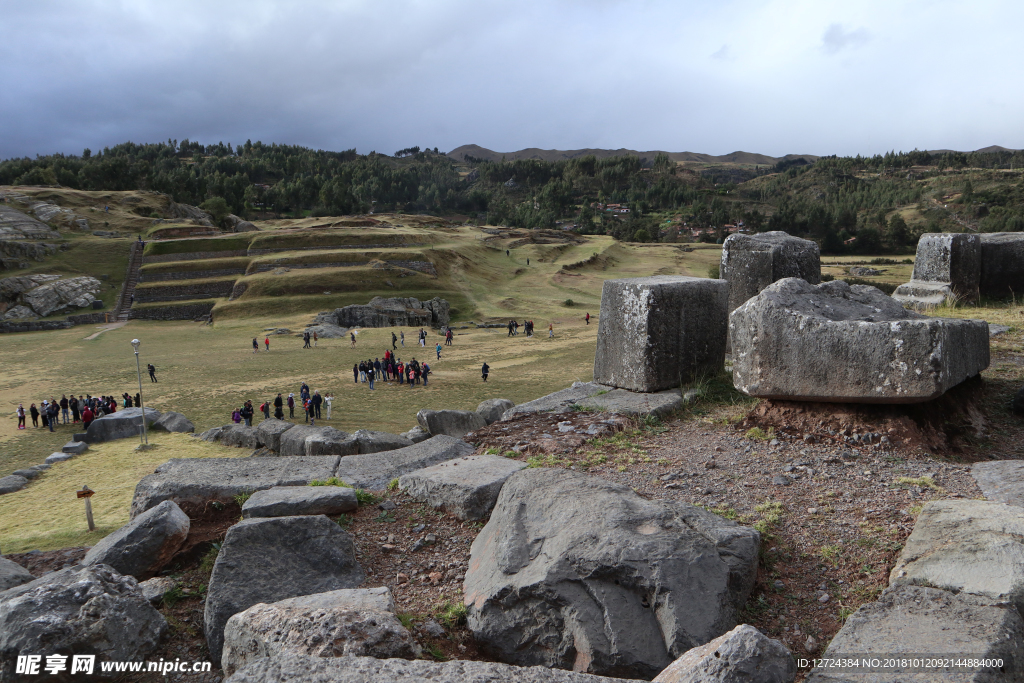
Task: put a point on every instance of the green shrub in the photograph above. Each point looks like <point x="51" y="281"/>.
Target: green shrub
<point x="569" y="303"/>
<point x="715" y="272"/>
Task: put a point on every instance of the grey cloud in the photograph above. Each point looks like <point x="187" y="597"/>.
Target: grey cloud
<point x="837" y="38"/>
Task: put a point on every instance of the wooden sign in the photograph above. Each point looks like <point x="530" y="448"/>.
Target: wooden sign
<point x="85" y="492"/>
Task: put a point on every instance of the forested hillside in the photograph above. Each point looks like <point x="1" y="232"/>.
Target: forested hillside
<point x="861" y="204"/>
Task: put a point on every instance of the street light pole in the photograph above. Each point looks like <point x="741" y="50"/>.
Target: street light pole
<point x="144" y="435"/>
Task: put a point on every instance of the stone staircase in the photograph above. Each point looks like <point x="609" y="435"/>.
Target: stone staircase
<point x="131" y="279"/>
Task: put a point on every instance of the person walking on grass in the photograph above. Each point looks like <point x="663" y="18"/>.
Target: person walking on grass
<point x="152" y="372"/>
<point x="355" y="373"/>
<point x="266" y="342"/>
<point x="587" y="318"/>
<point x="278" y="407"/>
<point x="255" y="345"/>
<point x="291" y="406"/>
<point x="402" y="332"/>
<point x="394" y="341"/>
<point x="21" y="416"/>
<point x="353" y="335"/>
<point x="265" y="409"/>
<point x="484" y="370"/>
<point x="551" y="330"/>
<point x="439" y="350"/>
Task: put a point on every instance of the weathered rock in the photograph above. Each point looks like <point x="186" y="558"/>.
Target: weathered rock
<point x="143" y="546"/>
<point x="492" y="409"/>
<point x="1001" y="481"/>
<point x="13" y="574"/>
<point x="81" y="610"/>
<point x="269" y="433"/>
<point x="174" y="422"/>
<point x="834" y="342"/>
<point x="375" y="442"/>
<point x="558" y="402"/>
<point x="12" y="483"/>
<point x="286" y="501"/>
<point x="946" y="265"/>
<point x="322" y="629"/>
<point x="273" y="558"/>
<point x="661" y="331"/>
<point x="20" y="313"/>
<point x="15" y="225"/>
<point x="328" y="331"/>
<point x="455" y="423"/>
<point x="308" y="669"/>
<point x="239" y="224"/>
<point x="75" y="447"/>
<point x="860" y="271"/>
<point x="573" y="571"/>
<point x="752" y="262"/>
<point x="11" y="288"/>
<point x="417" y="434"/>
<point x="630" y="403"/>
<point x="466" y="487"/>
<point x="58" y="457"/>
<point x="390" y="312"/>
<point x="29" y="473"/>
<point x="376" y="470"/>
<point x="189" y="212"/>
<point x="153" y="589"/>
<point x="908" y="621"/>
<point x="62" y="295"/>
<point x="742" y="655"/>
<point x="969" y="546"/>
<point x="123" y="424"/>
<point x="1002" y="264"/>
<point x="306" y="440"/>
<point x="196" y="481"/>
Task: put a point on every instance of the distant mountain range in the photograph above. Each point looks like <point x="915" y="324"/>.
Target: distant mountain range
<point x="478" y="152"/>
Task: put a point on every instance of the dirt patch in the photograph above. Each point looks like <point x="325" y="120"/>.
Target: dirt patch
<point x="43" y="562"/>
<point x="949" y="424"/>
<point x="546" y="433"/>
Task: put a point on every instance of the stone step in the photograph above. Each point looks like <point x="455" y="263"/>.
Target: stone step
<point x="919" y="294"/>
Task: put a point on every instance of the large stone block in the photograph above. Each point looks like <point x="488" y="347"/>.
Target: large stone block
<point x="174" y="422"/>
<point x="455" y="423"/>
<point x="376" y="442"/>
<point x="273" y="558"/>
<point x="910" y="621"/>
<point x="752" y="262"/>
<point x="947" y="264"/>
<point x="376" y="470"/>
<point x="13" y="482"/>
<point x="575" y="572"/>
<point x="287" y="501"/>
<point x="1002" y="264"/>
<point x="624" y="402"/>
<point x="743" y="655"/>
<point x="123" y="424"/>
<point x="12" y="574"/>
<point x="969" y="546"/>
<point x="466" y="487"/>
<point x="144" y="545"/>
<point x="75" y="447"/>
<point x="1001" y="480"/>
<point x="306" y="440"/>
<point x="562" y="401"/>
<point x="270" y="432"/>
<point x="836" y="342"/>
<point x="492" y="409"/>
<point x="658" y="332"/>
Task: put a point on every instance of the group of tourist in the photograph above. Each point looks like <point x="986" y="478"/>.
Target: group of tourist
<point x="74" y="410"/>
<point x="392" y="368"/>
<point x="313" y="405"/>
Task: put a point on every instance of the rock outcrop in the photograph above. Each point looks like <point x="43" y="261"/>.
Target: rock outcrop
<point x="455" y="423"/>
<point x="492" y="409"/>
<point x="742" y="655"/>
<point x="575" y="572"/>
<point x="123" y="424"/>
<point x="13" y="574"/>
<point x="15" y="225"/>
<point x="1001" y="480"/>
<point x="466" y="487"/>
<point x="143" y="546"/>
<point x="174" y="422"/>
<point x="836" y="342"/>
<point x="376" y="470"/>
<point x="558" y="402"/>
<point x="389" y="312"/>
<point x="306" y="440"/>
<point x="662" y="331"/>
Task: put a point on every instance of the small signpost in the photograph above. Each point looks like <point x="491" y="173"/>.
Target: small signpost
<point x="87" y="493"/>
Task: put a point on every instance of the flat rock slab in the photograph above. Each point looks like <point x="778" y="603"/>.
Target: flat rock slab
<point x="13" y="574"/>
<point x="466" y="487"/>
<point x="308" y="669"/>
<point x="58" y="457"/>
<point x="752" y="262"/>
<point x="973" y="546"/>
<point x="634" y="403"/>
<point x="75" y="447"/>
<point x="199" y="480"/>
<point x="742" y="655"/>
<point x="270" y="559"/>
<point x="842" y="343"/>
<point x="558" y="402"/>
<point x="661" y="331"/>
<point x="911" y="621"/>
<point x="29" y="473"/>
<point x="376" y="470"/>
<point x="306" y="440"/>
<point x="378" y="598"/>
<point x="1001" y="480"/>
<point x="143" y="546"/>
<point x="286" y="501"/>
<point x="124" y="424"/>
<point x="376" y="442"/>
<point x="12" y="483"/>
<point x="456" y="423"/>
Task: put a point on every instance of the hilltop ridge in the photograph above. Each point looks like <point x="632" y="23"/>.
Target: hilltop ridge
<point x="738" y="157"/>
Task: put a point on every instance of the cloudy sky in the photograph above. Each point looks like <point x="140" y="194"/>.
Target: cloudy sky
<point x="769" y="76"/>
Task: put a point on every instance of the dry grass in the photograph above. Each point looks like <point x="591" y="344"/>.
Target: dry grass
<point x="47" y="514"/>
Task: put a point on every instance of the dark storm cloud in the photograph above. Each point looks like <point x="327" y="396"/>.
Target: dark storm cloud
<point x="773" y="77"/>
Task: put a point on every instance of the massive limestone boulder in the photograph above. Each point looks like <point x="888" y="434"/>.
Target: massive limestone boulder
<point x="235" y="435"/>
<point x="20" y="313"/>
<point x="390" y="312"/>
<point x="417" y="434"/>
<point x="969" y="546"/>
<point x="1001" y="480"/>
<point x="624" y="402"/>
<point x="562" y="401"/>
<point x="270" y="431"/>
<point x="272" y="558"/>
<point x="947" y="266"/>
<point x="309" y="669"/>
<point x="15" y="225"/>
<point x="492" y="409"/>
<point x="455" y="423"/>
<point x="1002" y="264"/>
<point x="239" y="224"/>
<point x="836" y="342"/>
<point x="123" y="424"/>
<point x="575" y="572"/>
<point x="752" y="262"/>
<point x="306" y="440"/>
<point x="143" y="546"/>
<point x="375" y="442"/>
<point x="658" y="332"/>
<point x="910" y="621"/>
<point x="189" y="212"/>
<point x="79" y="610"/>
<point x="11" y="288"/>
<point x="466" y="487"/>
<point x="742" y="655"/>
<point x="12" y="574"/>
<point x="61" y="296"/>
<point x="198" y="481"/>
<point x="376" y="470"/>
<point x="322" y="625"/>
<point x="289" y="501"/>
<point x="174" y="422"/>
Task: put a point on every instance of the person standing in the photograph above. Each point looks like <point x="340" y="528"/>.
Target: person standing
<point x="510" y="328"/>
<point x="44" y="413"/>
<point x="255" y="345"/>
<point x="87" y="415"/>
<point x="73" y="404"/>
<point x="551" y="330"/>
<point x="21" y="416"/>
<point x="369" y="374"/>
<point x="246" y="413"/>
<point x="426" y="372"/>
<point x="438" y="350"/>
<point x="265" y="407"/>
<point x="328" y="400"/>
<point x="423" y="337"/>
<point x="266" y="341"/>
<point x="394" y="341"/>
<point x="353" y="335"/>
<point x="402" y="332"/>
<point x="64" y="412"/>
<point x="527" y="261"/>
<point x="279" y="407"/>
<point x="152" y="372"/>
<point x="355" y="373"/>
<point x="315" y="338"/>
<point x="484" y="370"/>
<point x="291" y="406"/>
<point x="587" y="318"/>
<point x="53" y="413"/>
<point x="317" y="400"/>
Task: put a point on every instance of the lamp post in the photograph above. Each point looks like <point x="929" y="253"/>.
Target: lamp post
<point x="143" y="436"/>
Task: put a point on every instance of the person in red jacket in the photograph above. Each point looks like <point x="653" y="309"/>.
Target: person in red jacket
<point x="266" y="340"/>
<point x="87" y="416"/>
